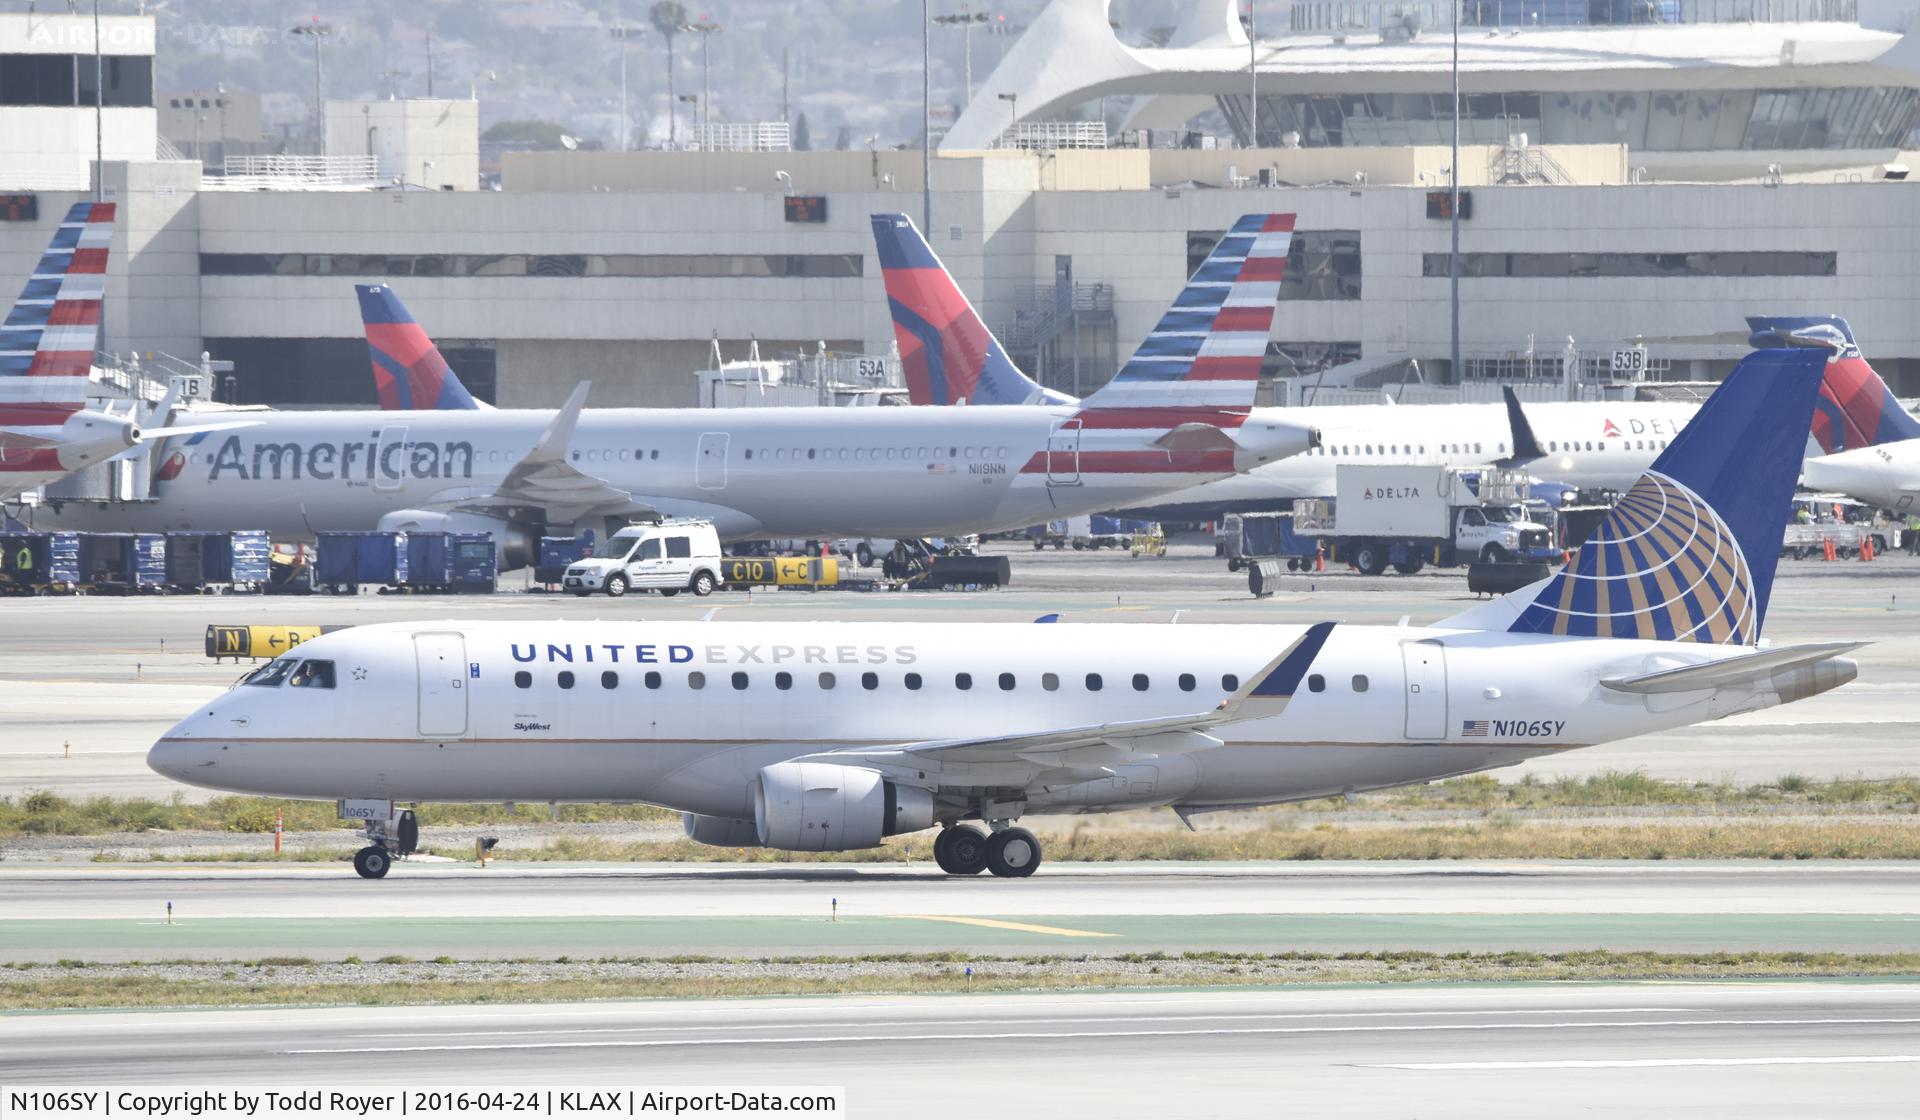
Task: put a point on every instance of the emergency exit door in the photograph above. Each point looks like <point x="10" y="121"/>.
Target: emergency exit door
<point x="1426" y="671"/>
<point x="1063" y="453"/>
<point x="442" y="661"/>
<point x="710" y="461"/>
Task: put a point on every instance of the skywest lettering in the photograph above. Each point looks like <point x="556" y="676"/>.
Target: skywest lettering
<point x="352" y="460"/>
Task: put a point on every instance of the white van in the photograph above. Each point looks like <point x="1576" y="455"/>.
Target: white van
<point x="666" y="557"/>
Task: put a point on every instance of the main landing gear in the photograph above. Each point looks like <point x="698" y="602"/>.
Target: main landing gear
<point x="1008" y="852"/>
<point x="386" y="839"/>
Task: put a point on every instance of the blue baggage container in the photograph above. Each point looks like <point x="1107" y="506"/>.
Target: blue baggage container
<point x="474" y="564"/>
<point x="555" y="554"/>
<point x="105" y="559"/>
<point x="149" y="568"/>
<point x="428" y="561"/>
<point x="349" y="559"/>
<point x="249" y="558"/>
<point x="64" y="562"/>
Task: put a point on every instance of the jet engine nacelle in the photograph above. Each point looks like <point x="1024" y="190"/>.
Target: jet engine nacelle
<point x="721" y="832"/>
<point x="821" y="807"/>
<point x="88" y="437"/>
<point x="513" y="543"/>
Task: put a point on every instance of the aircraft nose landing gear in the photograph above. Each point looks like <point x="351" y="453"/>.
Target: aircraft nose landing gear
<point x="386" y="839"/>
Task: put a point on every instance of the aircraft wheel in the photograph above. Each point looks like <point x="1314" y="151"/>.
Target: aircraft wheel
<point x="616" y="585"/>
<point x="703" y="584"/>
<point x="863" y="554"/>
<point x="1013" y="853"/>
<point x="960" y="850"/>
<point x="372" y="863"/>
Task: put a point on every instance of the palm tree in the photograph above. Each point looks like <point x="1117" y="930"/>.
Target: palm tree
<point x="668" y="17"/>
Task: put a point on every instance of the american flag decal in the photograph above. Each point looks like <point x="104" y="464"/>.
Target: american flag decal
<point x="1473" y="728"/>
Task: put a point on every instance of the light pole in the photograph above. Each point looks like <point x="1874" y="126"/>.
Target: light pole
<point x="1253" y="84"/>
<point x="99" y="112"/>
<point x="705" y="28"/>
<point x="1002" y="30"/>
<point x="1453" y="213"/>
<point x="317" y="30"/>
<point x="621" y="34"/>
<point x="926" y="121"/>
<point x="964" y="19"/>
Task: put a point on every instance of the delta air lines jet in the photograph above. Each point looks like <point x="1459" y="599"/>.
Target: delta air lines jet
<point x="1873" y="443"/>
<point x="1175" y="418"/>
<point x="822" y="736"/>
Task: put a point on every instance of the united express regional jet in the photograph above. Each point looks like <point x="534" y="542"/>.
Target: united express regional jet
<point x="831" y="736"/>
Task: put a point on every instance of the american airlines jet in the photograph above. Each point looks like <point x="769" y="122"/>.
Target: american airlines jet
<point x="46" y="357"/>
<point x="1174" y="419"/>
<point x="950" y="357"/>
<point x="831" y="736"/>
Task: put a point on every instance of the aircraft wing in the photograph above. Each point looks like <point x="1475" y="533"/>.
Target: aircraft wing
<point x="1265" y="695"/>
<point x="545" y="481"/>
<point x="1730" y="671"/>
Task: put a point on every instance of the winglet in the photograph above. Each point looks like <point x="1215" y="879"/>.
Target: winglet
<point x="1526" y="446"/>
<point x="1267" y="693"/>
<point x="553" y="443"/>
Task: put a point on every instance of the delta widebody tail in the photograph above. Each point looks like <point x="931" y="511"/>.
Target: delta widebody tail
<point x="832" y="736"/>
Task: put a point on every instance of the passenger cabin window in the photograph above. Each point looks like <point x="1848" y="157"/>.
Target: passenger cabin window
<point x="963" y="681"/>
<point x="869" y="681"/>
<point x="1006" y="682"/>
<point x="652" y="680"/>
<point x="1187" y="682"/>
<point x="1050" y="681"/>
<point x="649" y="549"/>
<point x="913" y="681"/>
<point x="566" y="678"/>
<point x="739" y="682"/>
<point x="1316" y="683"/>
<point x="312" y="674"/>
<point x="783" y="680"/>
<point x="1359" y="682"/>
<point x="826" y="681"/>
<point x="609" y="679"/>
<point x="1230" y="682"/>
<point x="271" y="674"/>
<point x="679" y="548"/>
<point x="523" y="679"/>
<point x="1140" y="682"/>
<point x="696" y="680"/>
<point x="1093" y="682"/>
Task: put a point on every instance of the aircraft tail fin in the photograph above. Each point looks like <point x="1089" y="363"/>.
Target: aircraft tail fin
<point x="949" y="355"/>
<point x="1688" y="554"/>
<point x="1206" y="350"/>
<point x="408" y="370"/>
<point x="1526" y="446"/>
<point x="1856" y="408"/>
<point x="53" y="329"/>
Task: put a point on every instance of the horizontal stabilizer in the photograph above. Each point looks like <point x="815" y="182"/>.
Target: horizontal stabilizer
<point x="1730" y="671"/>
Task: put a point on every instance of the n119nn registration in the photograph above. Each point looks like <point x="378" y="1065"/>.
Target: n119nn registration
<point x="359" y="1103"/>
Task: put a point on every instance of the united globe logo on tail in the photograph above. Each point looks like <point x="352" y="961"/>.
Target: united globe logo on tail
<point x="1662" y="566"/>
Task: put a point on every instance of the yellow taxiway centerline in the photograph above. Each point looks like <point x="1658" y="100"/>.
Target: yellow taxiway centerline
<point x="995" y="923"/>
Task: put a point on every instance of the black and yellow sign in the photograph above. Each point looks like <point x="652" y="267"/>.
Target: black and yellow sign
<point x="781" y="571"/>
<point x="260" y="641"/>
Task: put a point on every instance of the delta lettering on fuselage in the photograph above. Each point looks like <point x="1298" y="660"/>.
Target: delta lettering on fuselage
<point x="652" y="654"/>
<point x="347" y="461"/>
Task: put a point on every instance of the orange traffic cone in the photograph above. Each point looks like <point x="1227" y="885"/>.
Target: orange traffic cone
<point x="1320" y="557"/>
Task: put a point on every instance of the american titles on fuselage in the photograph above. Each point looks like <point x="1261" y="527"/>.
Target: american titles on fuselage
<point x="345" y="460"/>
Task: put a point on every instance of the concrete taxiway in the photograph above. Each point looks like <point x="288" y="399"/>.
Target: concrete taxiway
<point x="107" y="913"/>
<point x="1752" y="1050"/>
<point x="87" y="684"/>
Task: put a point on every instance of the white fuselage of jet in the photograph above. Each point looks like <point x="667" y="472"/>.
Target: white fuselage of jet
<point x="755" y="472"/>
<point x="1886" y="475"/>
<point x="686" y="714"/>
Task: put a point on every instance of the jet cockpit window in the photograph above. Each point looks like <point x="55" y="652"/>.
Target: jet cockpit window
<point x="312" y="674"/>
<point x="272" y="674"/>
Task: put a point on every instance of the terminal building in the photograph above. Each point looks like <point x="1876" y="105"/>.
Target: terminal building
<point x="1637" y="178"/>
